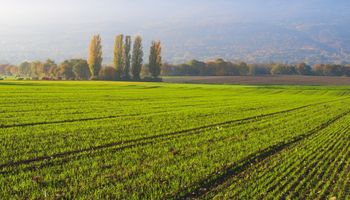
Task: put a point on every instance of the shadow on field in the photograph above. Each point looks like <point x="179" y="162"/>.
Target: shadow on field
<point x="196" y="130"/>
<point x="19" y="84"/>
<point x="208" y="185"/>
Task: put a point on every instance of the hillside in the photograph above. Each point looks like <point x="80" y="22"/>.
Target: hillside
<point x="253" y="31"/>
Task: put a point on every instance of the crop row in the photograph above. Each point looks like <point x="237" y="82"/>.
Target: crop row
<point x="317" y="168"/>
<point x="156" y="141"/>
<point x="79" y="103"/>
<point x="48" y="140"/>
<point x="61" y="112"/>
<point x="146" y="140"/>
<point x="166" y="168"/>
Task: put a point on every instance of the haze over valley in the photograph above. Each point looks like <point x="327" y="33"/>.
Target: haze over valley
<point x="313" y="31"/>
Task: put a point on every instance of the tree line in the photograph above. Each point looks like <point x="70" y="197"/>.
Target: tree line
<point x="127" y="63"/>
<point x="221" y="67"/>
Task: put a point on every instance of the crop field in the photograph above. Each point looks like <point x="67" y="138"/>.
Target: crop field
<point x="262" y="80"/>
<point x="124" y="140"/>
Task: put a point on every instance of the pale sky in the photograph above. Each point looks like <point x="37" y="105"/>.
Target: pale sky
<point x="31" y="29"/>
<point x="32" y="11"/>
<point x="14" y="12"/>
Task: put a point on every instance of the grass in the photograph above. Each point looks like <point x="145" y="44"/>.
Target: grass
<point x="262" y="80"/>
<point x="124" y="140"/>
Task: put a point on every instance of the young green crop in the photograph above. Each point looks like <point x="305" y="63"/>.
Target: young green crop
<point x="313" y="169"/>
<point x="154" y="140"/>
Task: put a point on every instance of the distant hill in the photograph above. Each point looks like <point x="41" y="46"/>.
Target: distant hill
<point x="315" y="31"/>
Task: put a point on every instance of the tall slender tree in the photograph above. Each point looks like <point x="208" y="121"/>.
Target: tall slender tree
<point x="155" y="59"/>
<point x="127" y="57"/>
<point x="118" y="56"/>
<point x="137" y="58"/>
<point x="95" y="56"/>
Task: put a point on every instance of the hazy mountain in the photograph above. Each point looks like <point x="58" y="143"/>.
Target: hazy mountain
<point x="250" y="30"/>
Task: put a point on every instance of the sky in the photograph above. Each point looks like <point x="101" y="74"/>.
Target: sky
<point x="79" y="11"/>
<point x="72" y="19"/>
<point x="45" y="13"/>
<point x="42" y="11"/>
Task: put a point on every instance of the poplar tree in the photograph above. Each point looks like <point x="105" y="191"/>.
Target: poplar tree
<point x="118" y="60"/>
<point x="137" y="58"/>
<point x="95" y="56"/>
<point x="127" y="57"/>
<point x="155" y="59"/>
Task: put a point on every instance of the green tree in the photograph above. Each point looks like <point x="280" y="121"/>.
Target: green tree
<point x="66" y="70"/>
<point x="243" y="69"/>
<point x="127" y="57"/>
<point x="155" y="59"/>
<point x="53" y="71"/>
<point x="118" y="61"/>
<point x="252" y="70"/>
<point x="318" y="69"/>
<point x="303" y="69"/>
<point x="35" y="68"/>
<point x="107" y="73"/>
<point x="81" y="69"/>
<point x="277" y="69"/>
<point x="196" y="68"/>
<point x="47" y="67"/>
<point x="95" y="56"/>
<point x="24" y="69"/>
<point x="282" y="69"/>
<point x="332" y="70"/>
<point x="137" y="58"/>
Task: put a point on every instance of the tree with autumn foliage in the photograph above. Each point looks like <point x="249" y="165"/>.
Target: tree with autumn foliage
<point x="127" y="57"/>
<point x="303" y="69"/>
<point x="137" y="58"/>
<point x="95" y="56"/>
<point x="118" y="56"/>
<point x="155" y="59"/>
<point x="48" y="68"/>
<point x="35" y="69"/>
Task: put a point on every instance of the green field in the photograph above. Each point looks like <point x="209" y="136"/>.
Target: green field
<point x="109" y="140"/>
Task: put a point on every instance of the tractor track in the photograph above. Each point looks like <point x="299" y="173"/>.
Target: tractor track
<point x="148" y="140"/>
<point x="205" y="186"/>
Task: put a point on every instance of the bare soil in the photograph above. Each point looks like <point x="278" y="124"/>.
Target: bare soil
<point x="262" y="80"/>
